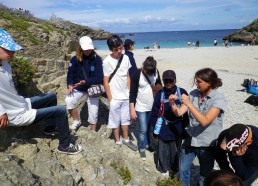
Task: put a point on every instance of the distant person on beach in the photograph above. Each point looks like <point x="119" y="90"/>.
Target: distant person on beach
<point x="15" y="110"/>
<point x="239" y="145"/>
<point x="78" y="84"/>
<point x="172" y="127"/>
<point x="253" y="41"/>
<point x="215" y="42"/>
<point x="226" y="43"/>
<point x="188" y="44"/>
<point x="197" y="43"/>
<point x="206" y="107"/>
<point x="141" y="100"/>
<point x="223" y="178"/>
<point x="129" y="47"/>
<point x="193" y="44"/>
<point x="155" y="46"/>
<point x="117" y="85"/>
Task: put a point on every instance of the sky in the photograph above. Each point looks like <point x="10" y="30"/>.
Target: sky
<point x="125" y="16"/>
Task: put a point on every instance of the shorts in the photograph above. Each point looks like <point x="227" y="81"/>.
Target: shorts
<point x="118" y="113"/>
<point x="73" y="99"/>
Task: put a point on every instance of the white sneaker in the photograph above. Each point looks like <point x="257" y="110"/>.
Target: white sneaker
<point x="75" y="125"/>
<point x="165" y="174"/>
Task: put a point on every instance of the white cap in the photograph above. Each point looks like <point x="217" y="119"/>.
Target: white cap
<point x="86" y="43"/>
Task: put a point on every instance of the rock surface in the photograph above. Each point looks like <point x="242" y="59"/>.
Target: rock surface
<point x="245" y="35"/>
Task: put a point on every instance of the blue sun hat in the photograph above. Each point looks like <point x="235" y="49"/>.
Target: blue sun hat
<point x="7" y="42"/>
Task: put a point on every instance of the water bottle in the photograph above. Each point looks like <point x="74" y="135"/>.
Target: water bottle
<point x="158" y="126"/>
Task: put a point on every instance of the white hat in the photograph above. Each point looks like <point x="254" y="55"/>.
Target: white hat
<point x="86" y="43"/>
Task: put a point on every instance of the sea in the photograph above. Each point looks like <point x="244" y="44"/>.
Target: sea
<point x="172" y="39"/>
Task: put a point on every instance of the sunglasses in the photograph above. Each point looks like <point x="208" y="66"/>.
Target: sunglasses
<point x="169" y="81"/>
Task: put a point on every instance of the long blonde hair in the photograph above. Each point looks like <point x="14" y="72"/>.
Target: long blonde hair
<point x="79" y="54"/>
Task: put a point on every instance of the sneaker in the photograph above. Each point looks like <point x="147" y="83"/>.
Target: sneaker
<point x="71" y="149"/>
<point x="143" y="155"/>
<point x="50" y="131"/>
<point x="166" y="174"/>
<point x="75" y="125"/>
<point x="119" y="143"/>
<point x="130" y="145"/>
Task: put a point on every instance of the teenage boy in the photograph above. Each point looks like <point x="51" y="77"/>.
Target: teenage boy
<point x="129" y="46"/>
<point x="15" y="110"/>
<point x="239" y="144"/>
<point x="117" y="84"/>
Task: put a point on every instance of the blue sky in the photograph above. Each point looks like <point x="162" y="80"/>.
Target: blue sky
<point x="119" y="16"/>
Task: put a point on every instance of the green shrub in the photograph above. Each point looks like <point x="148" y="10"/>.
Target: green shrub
<point x="168" y="182"/>
<point x="124" y="172"/>
<point x="22" y="71"/>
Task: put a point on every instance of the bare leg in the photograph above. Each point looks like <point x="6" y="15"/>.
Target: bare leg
<point x="125" y="131"/>
<point x="74" y="114"/>
<point x="116" y="133"/>
<point x="93" y="127"/>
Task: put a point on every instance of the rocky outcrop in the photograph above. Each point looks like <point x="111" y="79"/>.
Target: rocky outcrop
<point x="245" y="35"/>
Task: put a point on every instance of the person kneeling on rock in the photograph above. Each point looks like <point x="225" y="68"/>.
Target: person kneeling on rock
<point x="16" y="110"/>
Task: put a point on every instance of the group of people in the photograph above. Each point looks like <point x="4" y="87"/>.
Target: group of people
<point x="195" y="44"/>
<point x="190" y="124"/>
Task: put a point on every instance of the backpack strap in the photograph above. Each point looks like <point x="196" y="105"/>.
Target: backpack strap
<point x="117" y="66"/>
<point x="161" y="108"/>
<point x="179" y="96"/>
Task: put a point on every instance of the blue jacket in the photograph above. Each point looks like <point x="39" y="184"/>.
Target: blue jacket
<point x="133" y="64"/>
<point x="245" y="166"/>
<point x="172" y="127"/>
<point x="75" y="73"/>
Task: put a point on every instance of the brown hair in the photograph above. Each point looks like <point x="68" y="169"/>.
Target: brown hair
<point x="210" y="76"/>
<point x="223" y="178"/>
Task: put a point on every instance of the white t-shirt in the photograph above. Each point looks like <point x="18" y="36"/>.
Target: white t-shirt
<point x="119" y="83"/>
<point x="17" y="108"/>
<point x="145" y="98"/>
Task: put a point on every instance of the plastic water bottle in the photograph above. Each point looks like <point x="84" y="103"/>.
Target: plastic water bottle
<point x="158" y="126"/>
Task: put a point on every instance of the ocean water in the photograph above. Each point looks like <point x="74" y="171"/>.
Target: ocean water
<point x="172" y="39"/>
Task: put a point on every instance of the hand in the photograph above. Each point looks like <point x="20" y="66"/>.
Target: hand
<point x="172" y="98"/>
<point x="185" y="99"/>
<point x="240" y="151"/>
<point x="70" y="89"/>
<point x="156" y="138"/>
<point x="4" y="121"/>
<point x="82" y="82"/>
<point x="133" y="115"/>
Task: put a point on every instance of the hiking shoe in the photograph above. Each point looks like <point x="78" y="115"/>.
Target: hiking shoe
<point x="50" y="131"/>
<point x="71" y="149"/>
<point x="130" y="145"/>
<point x="143" y="155"/>
<point x="75" y="125"/>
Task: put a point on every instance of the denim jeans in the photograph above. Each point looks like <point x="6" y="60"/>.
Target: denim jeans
<point x="53" y="115"/>
<point x="186" y="157"/>
<point x="144" y="137"/>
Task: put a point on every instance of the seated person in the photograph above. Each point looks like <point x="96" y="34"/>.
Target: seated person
<point x="239" y="144"/>
<point x="16" y="110"/>
<point x="222" y="178"/>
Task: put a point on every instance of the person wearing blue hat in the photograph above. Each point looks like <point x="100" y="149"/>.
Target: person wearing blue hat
<point x="15" y="110"/>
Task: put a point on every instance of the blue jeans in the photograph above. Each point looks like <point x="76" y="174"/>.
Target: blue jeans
<point x="144" y="138"/>
<point x="186" y="157"/>
<point x="53" y="115"/>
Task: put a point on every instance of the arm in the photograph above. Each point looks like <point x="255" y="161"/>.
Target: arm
<point x="4" y="121"/>
<point x="178" y="111"/>
<point x="133" y="93"/>
<point x="107" y="87"/>
<point x="204" y="120"/>
<point x="158" y="81"/>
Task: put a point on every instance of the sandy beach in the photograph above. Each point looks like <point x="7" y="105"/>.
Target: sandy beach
<point x="233" y="65"/>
